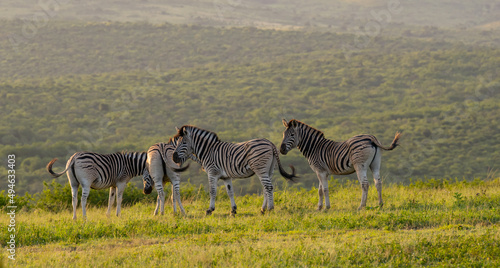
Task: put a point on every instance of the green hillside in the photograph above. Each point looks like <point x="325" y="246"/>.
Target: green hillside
<point x="108" y="87"/>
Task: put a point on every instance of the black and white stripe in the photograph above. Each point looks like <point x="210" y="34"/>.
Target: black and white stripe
<point x="224" y="160"/>
<point x="101" y="171"/>
<point x="327" y="157"/>
<point x="162" y="169"/>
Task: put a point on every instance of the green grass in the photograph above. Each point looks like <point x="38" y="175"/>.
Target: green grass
<point x="451" y="224"/>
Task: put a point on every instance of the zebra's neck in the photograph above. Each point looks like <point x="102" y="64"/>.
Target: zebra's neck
<point x="309" y="139"/>
<point x="203" y="143"/>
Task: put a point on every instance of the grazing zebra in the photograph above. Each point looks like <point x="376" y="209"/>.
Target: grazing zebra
<point x="101" y="171"/>
<point x="339" y="158"/>
<point x="162" y="170"/>
<point x="225" y="160"/>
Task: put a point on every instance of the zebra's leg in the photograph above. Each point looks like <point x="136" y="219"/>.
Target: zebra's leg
<point x="173" y="199"/>
<point x="74" y="191"/>
<point x="156" y="174"/>
<point x="229" y="188"/>
<point x="111" y="201"/>
<point x="176" y="195"/>
<point x="74" y="199"/>
<point x="320" y="194"/>
<point x="161" y="198"/>
<point x="74" y="196"/>
<point x="264" y="205"/>
<point x="120" y="188"/>
<point x="85" y="195"/>
<point x="361" y="172"/>
<point x="157" y="205"/>
<point x="268" y="191"/>
<point x="212" y="184"/>
<point x="323" y="190"/>
<point x="375" y="167"/>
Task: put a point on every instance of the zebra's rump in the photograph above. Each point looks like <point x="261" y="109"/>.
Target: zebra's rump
<point x="97" y="174"/>
<point x="360" y="142"/>
<point x="341" y="157"/>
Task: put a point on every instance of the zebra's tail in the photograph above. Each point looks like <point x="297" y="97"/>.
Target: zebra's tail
<point x="172" y="165"/>
<point x="394" y="143"/>
<point x="182" y="169"/>
<point x="147" y="181"/>
<point x="49" y="168"/>
<point x="282" y="171"/>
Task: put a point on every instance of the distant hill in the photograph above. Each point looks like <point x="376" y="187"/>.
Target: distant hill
<point x="340" y="14"/>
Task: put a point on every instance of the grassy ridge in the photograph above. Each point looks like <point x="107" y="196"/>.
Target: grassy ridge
<point x="439" y="223"/>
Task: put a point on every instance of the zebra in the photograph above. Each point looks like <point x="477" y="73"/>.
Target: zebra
<point x="162" y="169"/>
<point x="225" y="160"/>
<point x="101" y="171"/>
<point x="327" y="157"/>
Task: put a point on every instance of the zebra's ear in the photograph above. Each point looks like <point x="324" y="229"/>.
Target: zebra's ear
<point x="185" y="132"/>
<point x="177" y="129"/>
<point x="285" y="123"/>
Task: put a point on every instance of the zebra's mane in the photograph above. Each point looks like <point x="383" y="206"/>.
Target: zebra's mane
<point x="173" y="140"/>
<point x="194" y="129"/>
<point x="295" y="123"/>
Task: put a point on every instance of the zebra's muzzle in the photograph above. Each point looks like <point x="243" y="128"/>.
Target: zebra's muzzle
<point x="147" y="189"/>
<point x="176" y="158"/>
<point x="283" y="150"/>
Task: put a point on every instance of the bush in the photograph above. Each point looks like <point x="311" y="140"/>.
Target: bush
<point x="19" y="201"/>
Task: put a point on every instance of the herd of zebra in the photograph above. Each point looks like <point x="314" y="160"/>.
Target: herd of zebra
<point x="163" y="162"/>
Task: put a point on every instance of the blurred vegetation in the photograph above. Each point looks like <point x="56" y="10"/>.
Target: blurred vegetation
<point x="109" y="87"/>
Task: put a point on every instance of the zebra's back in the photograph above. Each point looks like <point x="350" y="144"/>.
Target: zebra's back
<point x="234" y="160"/>
<point x="108" y="169"/>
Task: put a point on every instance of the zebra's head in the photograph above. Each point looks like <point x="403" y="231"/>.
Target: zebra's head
<point x="183" y="150"/>
<point x="148" y="182"/>
<point x="290" y="137"/>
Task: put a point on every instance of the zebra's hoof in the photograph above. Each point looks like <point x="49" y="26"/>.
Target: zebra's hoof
<point x="262" y="211"/>
<point x="208" y="212"/>
<point x="361" y="207"/>
<point x="233" y="213"/>
<point x="319" y="207"/>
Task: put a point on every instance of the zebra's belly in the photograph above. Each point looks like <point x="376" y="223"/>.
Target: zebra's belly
<point x="102" y="184"/>
<point x="346" y="172"/>
<point x="244" y="173"/>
